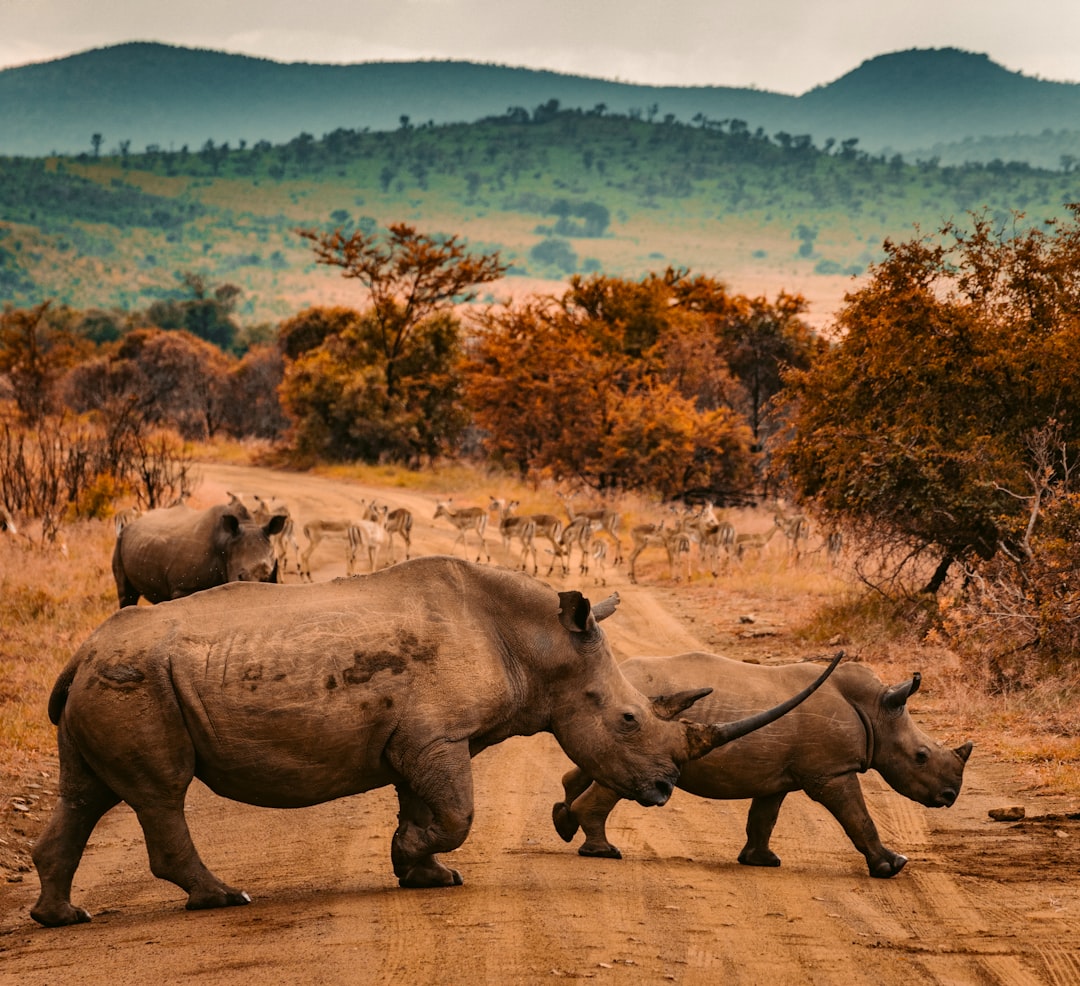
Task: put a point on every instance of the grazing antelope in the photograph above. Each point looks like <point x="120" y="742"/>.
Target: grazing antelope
<point x="796" y="528"/>
<point x="579" y="533"/>
<point x="599" y="555"/>
<point x="603" y="521"/>
<point x="753" y="542"/>
<point x="673" y="540"/>
<point x="551" y="527"/>
<point x="367" y="534"/>
<point x="321" y="529"/>
<point x="465" y="519"/>
<point x="512" y="526"/>
<point x="399" y="521"/>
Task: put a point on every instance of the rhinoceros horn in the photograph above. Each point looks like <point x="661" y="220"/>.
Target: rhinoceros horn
<point x="896" y="697"/>
<point x="703" y="738"/>
<point x="669" y="706"/>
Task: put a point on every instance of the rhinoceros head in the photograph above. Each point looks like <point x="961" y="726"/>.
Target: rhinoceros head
<point x="245" y="545"/>
<point x="628" y="742"/>
<point x="911" y="762"/>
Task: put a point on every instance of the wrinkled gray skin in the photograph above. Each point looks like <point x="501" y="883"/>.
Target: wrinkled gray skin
<point x="292" y="695"/>
<point x="852" y="724"/>
<point x="173" y="552"/>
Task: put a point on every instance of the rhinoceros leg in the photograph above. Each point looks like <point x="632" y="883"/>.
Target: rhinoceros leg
<point x="760" y="823"/>
<point x="575" y="782"/>
<point x="844" y="798"/>
<point x="83" y="800"/>
<point x="435" y="812"/>
<point x="591" y="811"/>
<point x="173" y="857"/>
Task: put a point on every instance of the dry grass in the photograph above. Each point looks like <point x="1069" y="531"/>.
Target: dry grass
<point x="49" y="602"/>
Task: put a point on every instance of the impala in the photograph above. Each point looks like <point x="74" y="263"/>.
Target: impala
<point x="465" y="519"/>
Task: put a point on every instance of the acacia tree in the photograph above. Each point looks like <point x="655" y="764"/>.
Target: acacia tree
<point x="409" y="277"/>
<point x="913" y="429"/>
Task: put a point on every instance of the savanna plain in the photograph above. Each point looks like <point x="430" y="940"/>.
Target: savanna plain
<point x="980" y="901"/>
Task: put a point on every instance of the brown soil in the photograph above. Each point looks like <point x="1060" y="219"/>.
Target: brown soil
<point x="980" y="902"/>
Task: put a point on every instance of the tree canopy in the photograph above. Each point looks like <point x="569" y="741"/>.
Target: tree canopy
<point x="915" y="428"/>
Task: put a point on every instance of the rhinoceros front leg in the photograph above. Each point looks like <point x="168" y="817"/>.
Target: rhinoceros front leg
<point x="435" y="813"/>
<point x="760" y="823"/>
<point x="591" y="811"/>
<point x="844" y="798"/>
<point x="575" y="782"/>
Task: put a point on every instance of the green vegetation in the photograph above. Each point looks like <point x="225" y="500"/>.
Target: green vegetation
<point x="554" y="191"/>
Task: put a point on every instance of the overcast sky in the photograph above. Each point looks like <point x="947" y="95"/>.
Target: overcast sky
<point x="784" y="46"/>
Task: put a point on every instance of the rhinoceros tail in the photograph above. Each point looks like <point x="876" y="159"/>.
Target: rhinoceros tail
<point x="58" y="698"/>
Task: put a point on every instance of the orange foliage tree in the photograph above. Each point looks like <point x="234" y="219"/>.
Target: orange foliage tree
<point x="629" y="384"/>
<point x="915" y="429"/>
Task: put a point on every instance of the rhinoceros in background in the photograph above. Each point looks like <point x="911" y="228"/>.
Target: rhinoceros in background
<point x="175" y="551"/>
<point x="852" y="724"/>
<point x="292" y="695"/>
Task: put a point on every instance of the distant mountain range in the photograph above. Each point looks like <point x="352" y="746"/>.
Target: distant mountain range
<point x="947" y="103"/>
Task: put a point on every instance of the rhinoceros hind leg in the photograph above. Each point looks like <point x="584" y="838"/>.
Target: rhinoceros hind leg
<point x="434" y="815"/>
<point x="564" y="820"/>
<point x="173" y="857"/>
<point x="758" y="857"/>
<point x="84" y="798"/>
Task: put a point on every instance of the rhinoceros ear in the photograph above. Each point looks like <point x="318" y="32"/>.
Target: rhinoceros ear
<point x="963" y="752"/>
<point x="275" y="525"/>
<point x="231" y="523"/>
<point x="895" y="698"/>
<point x="574" y="611"/>
<point x="669" y="706"/>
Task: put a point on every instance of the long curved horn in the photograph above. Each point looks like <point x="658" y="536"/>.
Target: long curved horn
<point x="704" y="738"/>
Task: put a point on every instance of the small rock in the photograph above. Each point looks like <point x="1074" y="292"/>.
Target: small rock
<point x="1011" y="814"/>
<point x="746" y="619"/>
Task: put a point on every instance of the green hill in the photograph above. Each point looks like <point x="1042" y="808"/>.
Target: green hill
<point x="153" y="94"/>
<point x="556" y="191"/>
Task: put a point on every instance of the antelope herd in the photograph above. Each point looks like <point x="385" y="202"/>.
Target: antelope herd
<point x="691" y="537"/>
<point x="586" y="539"/>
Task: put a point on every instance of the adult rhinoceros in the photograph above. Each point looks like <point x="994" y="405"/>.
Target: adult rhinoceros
<point x="291" y="695"/>
<point x="852" y="724"/>
<point x="175" y="551"/>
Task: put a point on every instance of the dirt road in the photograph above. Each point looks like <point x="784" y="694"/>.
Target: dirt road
<point x="980" y="902"/>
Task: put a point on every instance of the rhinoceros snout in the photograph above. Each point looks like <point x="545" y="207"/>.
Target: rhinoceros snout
<point x="659" y="795"/>
<point x="946" y="798"/>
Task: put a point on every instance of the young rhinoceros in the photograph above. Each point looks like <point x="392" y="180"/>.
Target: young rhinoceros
<point x="853" y="723"/>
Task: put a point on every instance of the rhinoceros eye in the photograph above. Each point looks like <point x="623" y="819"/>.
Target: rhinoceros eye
<point x="630" y="721"/>
<point x="922" y="757"/>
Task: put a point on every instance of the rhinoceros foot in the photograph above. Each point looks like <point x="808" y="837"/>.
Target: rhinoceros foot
<point x="225" y="897"/>
<point x="888" y="866"/>
<point x="759" y="857"/>
<point x="431" y="876"/>
<point x="59" y="915"/>
<point x="603" y="851"/>
<point x="565" y="821"/>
